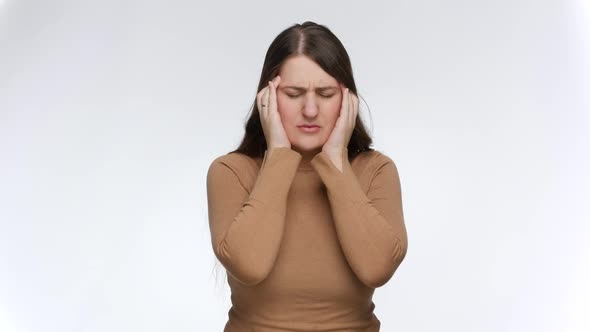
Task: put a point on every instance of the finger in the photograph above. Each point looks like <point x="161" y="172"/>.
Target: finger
<point x="266" y="97"/>
<point x="350" y="106"/>
<point x="345" y="111"/>
<point x="272" y="102"/>
<point x="264" y="100"/>
<point x="260" y="100"/>
<point x="353" y="103"/>
<point x="344" y="101"/>
<point x="276" y="81"/>
<point x="260" y="95"/>
<point x="356" y="107"/>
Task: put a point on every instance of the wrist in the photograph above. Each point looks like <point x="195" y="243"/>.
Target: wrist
<point x="337" y="152"/>
<point x="272" y="146"/>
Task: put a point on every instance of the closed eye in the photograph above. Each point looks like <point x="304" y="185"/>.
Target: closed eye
<point x="321" y="95"/>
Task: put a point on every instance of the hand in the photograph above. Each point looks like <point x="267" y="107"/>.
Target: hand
<point x="270" y="119"/>
<point x="343" y="128"/>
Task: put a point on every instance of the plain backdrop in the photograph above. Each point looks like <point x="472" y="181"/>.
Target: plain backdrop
<point x="112" y="111"/>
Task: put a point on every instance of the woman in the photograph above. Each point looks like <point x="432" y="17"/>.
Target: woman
<point x="304" y="216"/>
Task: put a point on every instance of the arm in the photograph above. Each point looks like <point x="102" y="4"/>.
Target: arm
<point x="247" y="228"/>
<point x="370" y="227"/>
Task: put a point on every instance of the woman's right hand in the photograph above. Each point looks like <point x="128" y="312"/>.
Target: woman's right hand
<point x="270" y="119"/>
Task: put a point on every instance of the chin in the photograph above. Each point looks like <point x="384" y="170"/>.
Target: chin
<point x="307" y="147"/>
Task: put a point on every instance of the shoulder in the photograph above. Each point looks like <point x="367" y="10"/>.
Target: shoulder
<point x="238" y="165"/>
<point x="371" y="161"/>
<point x="371" y="165"/>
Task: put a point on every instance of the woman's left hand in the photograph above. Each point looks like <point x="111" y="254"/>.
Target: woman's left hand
<point x="343" y="128"/>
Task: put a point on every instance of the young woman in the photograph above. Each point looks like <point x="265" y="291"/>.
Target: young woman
<point x="305" y="217"/>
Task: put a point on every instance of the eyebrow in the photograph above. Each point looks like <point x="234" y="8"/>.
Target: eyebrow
<point x="299" y="88"/>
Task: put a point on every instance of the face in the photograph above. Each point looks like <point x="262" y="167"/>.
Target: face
<point x="307" y="95"/>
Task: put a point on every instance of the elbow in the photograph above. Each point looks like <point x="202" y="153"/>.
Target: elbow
<point x="379" y="274"/>
<point x="248" y="271"/>
<point x="247" y="277"/>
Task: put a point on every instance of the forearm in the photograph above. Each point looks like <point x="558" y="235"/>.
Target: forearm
<point x="373" y="241"/>
<point x="248" y="229"/>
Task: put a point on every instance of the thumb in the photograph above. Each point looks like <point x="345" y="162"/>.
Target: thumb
<point x="276" y="81"/>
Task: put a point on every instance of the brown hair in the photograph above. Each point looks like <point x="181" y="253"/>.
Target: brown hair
<point x="319" y="44"/>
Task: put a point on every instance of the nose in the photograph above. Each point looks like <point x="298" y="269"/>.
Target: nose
<point x="310" y="109"/>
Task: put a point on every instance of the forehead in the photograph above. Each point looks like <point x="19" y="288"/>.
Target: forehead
<point x="302" y="71"/>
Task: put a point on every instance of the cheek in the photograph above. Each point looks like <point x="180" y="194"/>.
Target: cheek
<point x="286" y="108"/>
<point x="281" y="105"/>
<point x="332" y="108"/>
<point x="281" y="101"/>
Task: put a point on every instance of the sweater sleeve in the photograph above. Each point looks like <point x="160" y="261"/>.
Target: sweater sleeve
<point x="247" y="228"/>
<point x="370" y="227"/>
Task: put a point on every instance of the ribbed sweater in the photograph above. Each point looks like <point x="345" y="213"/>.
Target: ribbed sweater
<point x="303" y="243"/>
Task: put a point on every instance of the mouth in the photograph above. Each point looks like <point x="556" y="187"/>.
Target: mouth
<point x="309" y="128"/>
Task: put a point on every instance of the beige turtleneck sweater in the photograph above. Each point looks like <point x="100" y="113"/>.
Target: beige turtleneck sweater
<point x="304" y="244"/>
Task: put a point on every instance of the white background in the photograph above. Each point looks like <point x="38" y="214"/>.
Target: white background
<point x="111" y="112"/>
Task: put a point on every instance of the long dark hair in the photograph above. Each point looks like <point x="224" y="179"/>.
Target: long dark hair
<point x="319" y="44"/>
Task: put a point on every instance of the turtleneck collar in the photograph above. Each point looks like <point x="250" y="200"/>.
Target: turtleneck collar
<point x="305" y="165"/>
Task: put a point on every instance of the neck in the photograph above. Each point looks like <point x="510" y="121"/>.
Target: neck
<point x="306" y="157"/>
